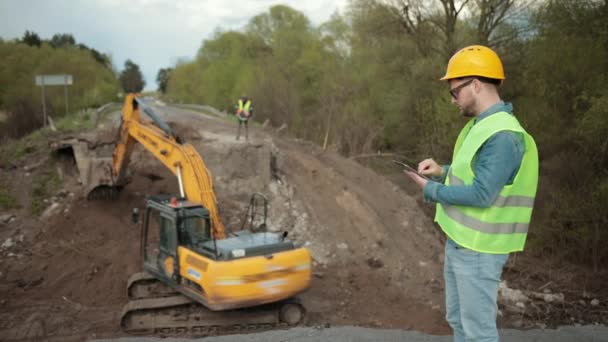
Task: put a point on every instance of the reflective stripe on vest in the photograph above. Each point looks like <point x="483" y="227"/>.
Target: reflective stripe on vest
<point x="484" y="227"/>
<point x="503" y="227"/>
<point x="501" y="201"/>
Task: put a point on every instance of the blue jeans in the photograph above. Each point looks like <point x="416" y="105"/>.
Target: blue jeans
<point x="471" y="288"/>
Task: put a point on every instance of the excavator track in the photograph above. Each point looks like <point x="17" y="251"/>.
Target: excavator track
<point x="172" y="314"/>
<point x="143" y="285"/>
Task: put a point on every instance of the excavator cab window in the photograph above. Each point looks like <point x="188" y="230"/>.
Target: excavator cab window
<point x="168" y="243"/>
<point x="168" y="225"/>
<point x="194" y="230"/>
<point x="160" y="242"/>
<point x="151" y="238"/>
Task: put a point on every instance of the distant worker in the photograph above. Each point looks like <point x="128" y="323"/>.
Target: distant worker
<point x="244" y="111"/>
<point x="485" y="197"/>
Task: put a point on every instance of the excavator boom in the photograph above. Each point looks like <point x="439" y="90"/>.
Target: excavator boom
<point x="183" y="160"/>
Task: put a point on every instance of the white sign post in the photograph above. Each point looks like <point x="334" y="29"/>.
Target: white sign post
<point x="52" y="80"/>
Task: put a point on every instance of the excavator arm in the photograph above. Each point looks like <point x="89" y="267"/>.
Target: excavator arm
<point x="182" y="159"/>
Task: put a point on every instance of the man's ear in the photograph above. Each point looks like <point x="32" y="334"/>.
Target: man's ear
<point x="477" y="86"/>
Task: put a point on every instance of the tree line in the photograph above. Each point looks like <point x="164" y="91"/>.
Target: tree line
<point x="367" y="80"/>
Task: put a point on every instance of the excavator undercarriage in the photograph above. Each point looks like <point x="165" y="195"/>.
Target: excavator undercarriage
<point x="154" y="308"/>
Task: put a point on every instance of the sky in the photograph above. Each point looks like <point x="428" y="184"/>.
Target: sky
<point x="154" y="34"/>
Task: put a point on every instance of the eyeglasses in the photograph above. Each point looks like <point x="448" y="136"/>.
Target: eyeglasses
<point x="456" y="90"/>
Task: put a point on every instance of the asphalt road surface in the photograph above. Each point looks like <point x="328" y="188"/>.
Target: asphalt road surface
<point x="356" y="334"/>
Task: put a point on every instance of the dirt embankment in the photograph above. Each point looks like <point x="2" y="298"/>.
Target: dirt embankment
<point x="377" y="257"/>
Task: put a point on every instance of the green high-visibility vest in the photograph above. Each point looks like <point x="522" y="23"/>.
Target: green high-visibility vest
<point x="503" y="227"/>
<point x="244" y="106"/>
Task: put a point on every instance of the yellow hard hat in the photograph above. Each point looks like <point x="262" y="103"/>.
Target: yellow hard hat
<point x="475" y="60"/>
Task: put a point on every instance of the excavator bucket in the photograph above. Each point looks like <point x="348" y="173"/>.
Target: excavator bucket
<point x="92" y="164"/>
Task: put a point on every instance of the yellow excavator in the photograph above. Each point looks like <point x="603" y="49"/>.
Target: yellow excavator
<point x="199" y="278"/>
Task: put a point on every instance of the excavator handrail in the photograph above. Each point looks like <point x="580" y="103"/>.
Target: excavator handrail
<point x="181" y="158"/>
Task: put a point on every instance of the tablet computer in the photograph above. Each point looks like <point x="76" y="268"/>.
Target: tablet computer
<point x="409" y="168"/>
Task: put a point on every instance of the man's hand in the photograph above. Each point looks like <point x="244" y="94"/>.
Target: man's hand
<point x="419" y="180"/>
<point x="430" y="167"/>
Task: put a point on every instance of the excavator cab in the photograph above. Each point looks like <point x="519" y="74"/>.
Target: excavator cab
<point x="170" y="222"/>
<point x="244" y="269"/>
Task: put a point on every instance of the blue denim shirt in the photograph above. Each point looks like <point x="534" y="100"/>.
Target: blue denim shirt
<point x="495" y="165"/>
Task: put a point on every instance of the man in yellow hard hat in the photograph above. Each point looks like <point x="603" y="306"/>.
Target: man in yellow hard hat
<point x="484" y="197"/>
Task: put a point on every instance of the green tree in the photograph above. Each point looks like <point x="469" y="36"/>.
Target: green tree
<point x="101" y="58"/>
<point x="162" y="79"/>
<point x="563" y="100"/>
<point x="94" y="85"/>
<point x="31" y="38"/>
<point x="286" y="68"/>
<point x="226" y="73"/>
<point x="184" y="85"/>
<point x="62" y="40"/>
<point x="131" y="78"/>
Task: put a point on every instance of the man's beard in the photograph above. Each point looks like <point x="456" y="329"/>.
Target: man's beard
<point x="468" y="114"/>
<point x="467" y="110"/>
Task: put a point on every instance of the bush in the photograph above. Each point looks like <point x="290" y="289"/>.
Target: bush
<point x="23" y="119"/>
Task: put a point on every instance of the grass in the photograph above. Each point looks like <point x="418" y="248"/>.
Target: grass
<point x="42" y="188"/>
<point x="83" y="120"/>
<point x="6" y="200"/>
<point x="196" y="109"/>
<point x="13" y="151"/>
<point x="115" y="106"/>
<point x="72" y="123"/>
